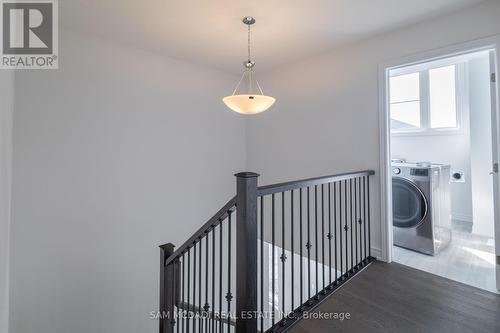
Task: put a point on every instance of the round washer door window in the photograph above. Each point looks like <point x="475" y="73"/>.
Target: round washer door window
<point x="409" y="205"/>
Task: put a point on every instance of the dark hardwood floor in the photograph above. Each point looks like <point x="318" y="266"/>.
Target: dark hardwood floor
<point x="397" y="298"/>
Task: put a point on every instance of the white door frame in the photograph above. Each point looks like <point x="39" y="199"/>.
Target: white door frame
<point x="490" y="43"/>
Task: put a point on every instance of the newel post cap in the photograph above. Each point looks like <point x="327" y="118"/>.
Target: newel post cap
<point x="247" y="174"/>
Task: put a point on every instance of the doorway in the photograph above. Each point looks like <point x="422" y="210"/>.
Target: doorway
<point x="439" y="166"/>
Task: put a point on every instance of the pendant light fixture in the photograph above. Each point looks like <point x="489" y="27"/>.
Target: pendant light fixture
<point x="251" y="102"/>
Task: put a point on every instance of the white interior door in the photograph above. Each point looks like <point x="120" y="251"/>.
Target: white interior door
<point x="494" y="167"/>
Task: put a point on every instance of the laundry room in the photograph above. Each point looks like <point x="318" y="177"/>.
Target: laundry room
<point x="441" y="146"/>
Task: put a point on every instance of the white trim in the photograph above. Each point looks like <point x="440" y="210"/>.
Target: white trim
<point x="448" y="61"/>
<point x="478" y="45"/>
<point x="425" y="101"/>
<point x="495" y="132"/>
<point x="377" y="253"/>
<point x="385" y="157"/>
<point x="444" y="131"/>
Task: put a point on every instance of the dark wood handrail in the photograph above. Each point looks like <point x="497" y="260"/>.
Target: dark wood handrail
<point x="293" y="185"/>
<point x="214" y="221"/>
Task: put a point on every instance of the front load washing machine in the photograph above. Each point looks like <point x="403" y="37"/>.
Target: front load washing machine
<point x="421" y="206"/>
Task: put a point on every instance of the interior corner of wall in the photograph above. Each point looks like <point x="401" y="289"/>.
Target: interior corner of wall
<point x="6" y="146"/>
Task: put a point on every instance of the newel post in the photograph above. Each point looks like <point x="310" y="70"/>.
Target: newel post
<point x="246" y="252"/>
<point x="166" y="290"/>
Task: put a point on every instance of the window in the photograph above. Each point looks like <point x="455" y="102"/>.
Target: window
<point x="425" y="100"/>
<point x="443" y="105"/>
<point x="405" y="101"/>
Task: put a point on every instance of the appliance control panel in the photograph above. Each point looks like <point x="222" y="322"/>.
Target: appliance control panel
<point x="419" y="172"/>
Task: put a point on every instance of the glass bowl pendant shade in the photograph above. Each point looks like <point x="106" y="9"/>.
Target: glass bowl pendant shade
<point x="250" y="102"/>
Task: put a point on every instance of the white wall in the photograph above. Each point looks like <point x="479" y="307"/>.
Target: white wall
<point x="326" y="120"/>
<point x="481" y="149"/>
<point x="115" y="153"/>
<point x="6" y="110"/>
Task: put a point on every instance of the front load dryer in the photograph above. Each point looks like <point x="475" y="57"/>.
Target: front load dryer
<point x="421" y="206"/>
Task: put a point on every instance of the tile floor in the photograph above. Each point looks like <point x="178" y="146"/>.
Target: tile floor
<point x="469" y="259"/>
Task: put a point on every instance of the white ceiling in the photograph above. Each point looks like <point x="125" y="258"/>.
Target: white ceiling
<point x="210" y="32"/>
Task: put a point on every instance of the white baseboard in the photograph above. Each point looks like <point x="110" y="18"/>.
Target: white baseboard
<point x="462" y="217"/>
<point x="377" y="253"/>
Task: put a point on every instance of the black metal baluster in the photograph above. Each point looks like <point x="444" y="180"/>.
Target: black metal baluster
<point x="346" y="229"/>
<point x="206" y="306"/>
<point x="323" y="261"/>
<point x="182" y="302"/>
<point x="361" y="220"/>
<point x="365" y="251"/>
<point x="365" y="231"/>
<point x="187" y="305"/>
<point x="272" y="257"/>
<point x="368" y="213"/>
<point x="316" y="236"/>
<point x="194" y="288"/>
<point x="340" y="232"/>
<point x="292" y="252"/>
<point x="213" y="280"/>
<point x="200" y="307"/>
<point x="330" y="233"/>
<point x="229" y="296"/>
<point x="364" y="220"/>
<point x="358" y="223"/>
<point x="355" y="220"/>
<point x="308" y="245"/>
<point x="283" y="255"/>
<point x="220" y="276"/>
<point x="350" y="221"/>
<point x="355" y="223"/>
<point x="301" y="255"/>
<point x="179" y="293"/>
<point x="262" y="263"/>
<point x="335" y="226"/>
<point x="173" y="322"/>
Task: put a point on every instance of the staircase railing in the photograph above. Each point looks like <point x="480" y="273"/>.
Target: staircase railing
<point x="268" y="256"/>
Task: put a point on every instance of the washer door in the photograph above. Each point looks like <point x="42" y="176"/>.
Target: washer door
<point x="409" y="205"/>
